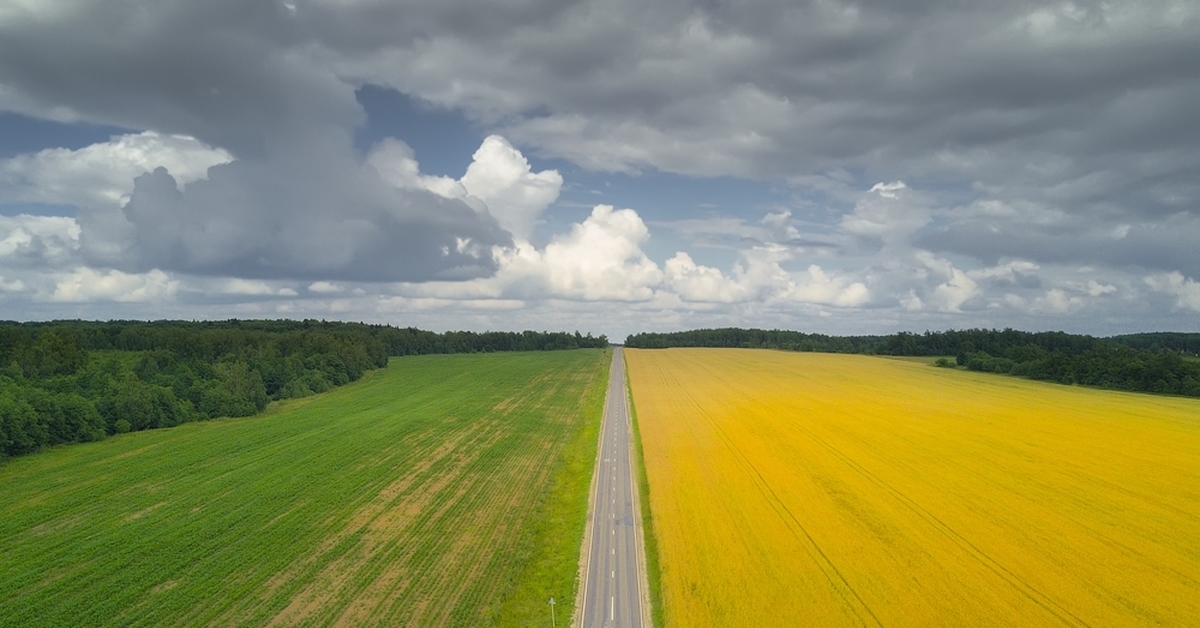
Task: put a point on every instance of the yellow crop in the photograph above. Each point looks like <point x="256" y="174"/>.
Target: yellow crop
<point x="794" y="489"/>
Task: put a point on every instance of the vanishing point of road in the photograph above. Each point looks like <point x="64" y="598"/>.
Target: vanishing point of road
<point x="615" y="590"/>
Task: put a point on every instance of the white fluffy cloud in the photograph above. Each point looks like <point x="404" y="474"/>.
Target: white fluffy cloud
<point x="38" y="241"/>
<point x="101" y="175"/>
<point x="499" y="181"/>
<point x="955" y="287"/>
<point x="695" y="282"/>
<point x="602" y="258"/>
<point x="395" y="162"/>
<point x="1185" y="290"/>
<point x="250" y="288"/>
<point x="501" y="177"/>
<point x="599" y="259"/>
<point x="324" y="287"/>
<point x="816" y="286"/>
<point x="86" y="284"/>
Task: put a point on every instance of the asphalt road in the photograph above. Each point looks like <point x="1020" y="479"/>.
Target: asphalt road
<point x="614" y="586"/>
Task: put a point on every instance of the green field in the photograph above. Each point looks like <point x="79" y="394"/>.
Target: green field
<point x="443" y="490"/>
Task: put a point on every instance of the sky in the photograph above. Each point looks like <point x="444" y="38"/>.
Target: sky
<point x="606" y="166"/>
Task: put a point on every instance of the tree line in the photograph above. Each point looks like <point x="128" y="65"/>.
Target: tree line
<point x="75" y="381"/>
<point x="1153" y="362"/>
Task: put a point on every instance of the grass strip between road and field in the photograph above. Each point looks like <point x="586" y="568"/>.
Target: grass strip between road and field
<point x="653" y="576"/>
<point x="553" y="545"/>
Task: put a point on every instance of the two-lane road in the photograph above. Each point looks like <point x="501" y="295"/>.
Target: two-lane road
<point x="614" y="585"/>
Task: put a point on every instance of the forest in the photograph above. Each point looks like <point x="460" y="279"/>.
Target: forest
<point x="74" y="381"/>
<point x="1163" y="363"/>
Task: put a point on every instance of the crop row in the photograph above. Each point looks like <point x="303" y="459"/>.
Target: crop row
<point x="849" y="490"/>
<point x="392" y="501"/>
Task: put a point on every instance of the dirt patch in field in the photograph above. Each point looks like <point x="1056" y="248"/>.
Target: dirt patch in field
<point x="56" y="525"/>
<point x="409" y="521"/>
<point x="143" y="512"/>
<point x="508" y="404"/>
<point x="133" y="452"/>
<point x="164" y="586"/>
<point x="471" y="548"/>
<point x="383" y="521"/>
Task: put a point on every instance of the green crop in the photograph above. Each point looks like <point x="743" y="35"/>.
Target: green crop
<point x="434" y="492"/>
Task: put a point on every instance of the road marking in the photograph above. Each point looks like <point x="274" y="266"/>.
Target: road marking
<point x="617" y="455"/>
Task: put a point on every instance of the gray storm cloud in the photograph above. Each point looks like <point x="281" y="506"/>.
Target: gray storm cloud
<point x="1038" y="138"/>
<point x="1164" y="245"/>
<point x="1082" y="107"/>
<point x="329" y="220"/>
<point x="296" y="200"/>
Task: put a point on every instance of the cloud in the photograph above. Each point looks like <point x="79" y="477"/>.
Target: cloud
<point x="1015" y="273"/>
<point x="240" y="76"/>
<point x="500" y="176"/>
<point x="717" y="232"/>
<point x="887" y="213"/>
<point x="1014" y="145"/>
<point x="597" y="259"/>
<point x="395" y="162"/>
<point x="600" y="258"/>
<point x="954" y="292"/>
<point x="245" y="287"/>
<point x="86" y="284"/>
<point x="1057" y="301"/>
<point x="146" y="203"/>
<point x="317" y="214"/>
<point x="324" y="287"/>
<point x="776" y="87"/>
<point x="816" y="286"/>
<point x="101" y="175"/>
<point x="694" y="282"/>
<point x="1165" y="244"/>
<point x="729" y="232"/>
<point x="1080" y="111"/>
<point x="1185" y="290"/>
<point x="498" y="181"/>
<point x="760" y="275"/>
<point x="15" y="285"/>
<point x="38" y="241"/>
<point x="1012" y="96"/>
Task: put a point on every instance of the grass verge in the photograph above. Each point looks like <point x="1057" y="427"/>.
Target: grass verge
<point x="552" y="545"/>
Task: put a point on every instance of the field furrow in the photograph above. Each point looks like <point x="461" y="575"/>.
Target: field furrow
<point x="414" y="497"/>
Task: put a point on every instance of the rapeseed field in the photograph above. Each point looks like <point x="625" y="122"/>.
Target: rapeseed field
<point x="791" y="489"/>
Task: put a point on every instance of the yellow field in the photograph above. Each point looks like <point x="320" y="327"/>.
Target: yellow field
<point x="832" y="490"/>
